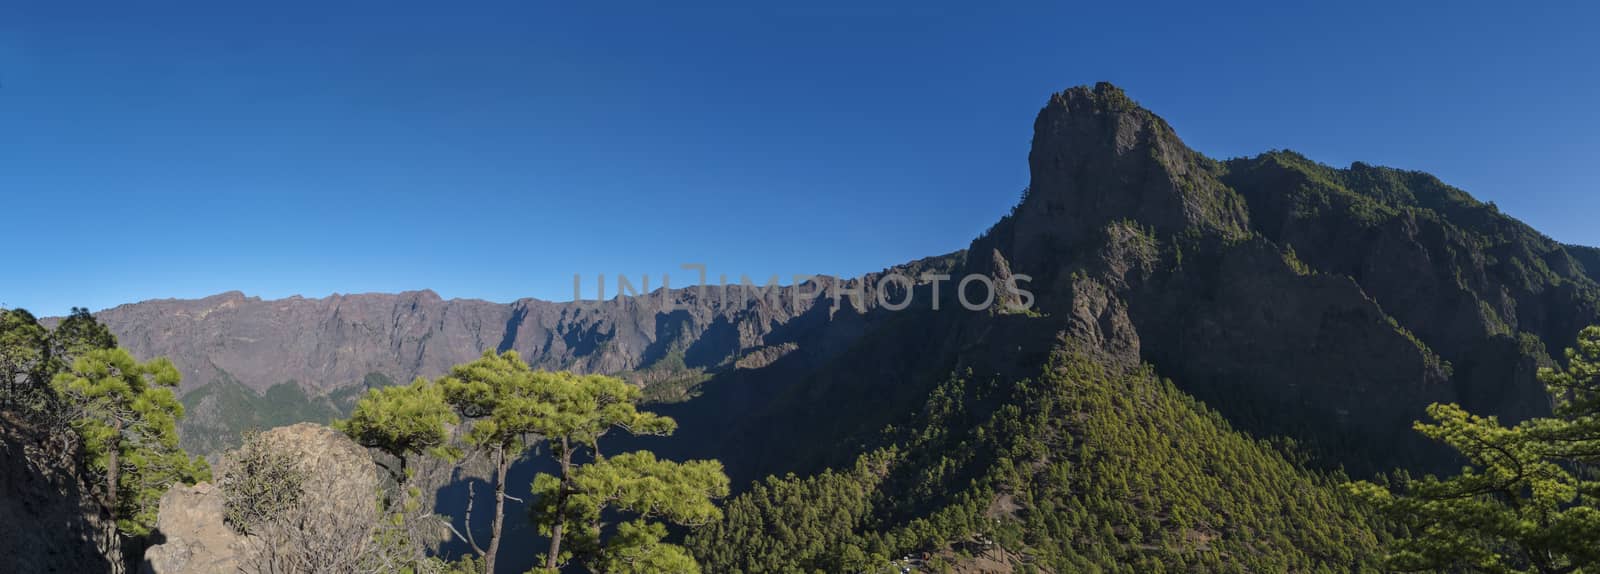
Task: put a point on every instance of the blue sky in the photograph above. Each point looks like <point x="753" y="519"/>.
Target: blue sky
<point x="493" y="149"/>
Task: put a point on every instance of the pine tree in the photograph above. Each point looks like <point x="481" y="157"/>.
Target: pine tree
<point x="1528" y="502"/>
<point x="505" y="403"/>
<point x="402" y="422"/>
<point x="76" y="336"/>
<point x="24" y="358"/>
<point x="638" y="484"/>
<point x="578" y="410"/>
<point x="126" y="415"/>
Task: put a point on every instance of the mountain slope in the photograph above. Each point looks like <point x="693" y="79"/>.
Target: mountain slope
<point x="1080" y="469"/>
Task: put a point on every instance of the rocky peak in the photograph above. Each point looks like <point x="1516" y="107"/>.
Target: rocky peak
<point x="1098" y="158"/>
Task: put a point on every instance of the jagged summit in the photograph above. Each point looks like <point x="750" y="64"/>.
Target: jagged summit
<point x="1099" y="158"/>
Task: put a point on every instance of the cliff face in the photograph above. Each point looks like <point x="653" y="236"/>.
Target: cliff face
<point x="51" y="522"/>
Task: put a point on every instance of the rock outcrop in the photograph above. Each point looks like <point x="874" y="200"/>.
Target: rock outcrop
<point x="50" y="519"/>
<point x="196" y="539"/>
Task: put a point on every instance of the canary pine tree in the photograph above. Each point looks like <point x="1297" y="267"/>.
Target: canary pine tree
<point x="581" y="410"/>
<point x="639" y="485"/>
<point x="77" y="335"/>
<point x="402" y="422"/>
<point x="1528" y="502"/>
<point x="126" y="415"/>
<point x="508" y="407"/>
<point x="505" y="403"/>
<point x="24" y="356"/>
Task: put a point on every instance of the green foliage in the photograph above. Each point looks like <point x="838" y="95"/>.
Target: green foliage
<point x="126" y="415"/>
<point x="1526" y="502"/>
<point x="402" y="422"/>
<point x="794" y="524"/>
<point x="573" y="412"/>
<point x="24" y="362"/>
<point x="122" y="411"/>
<point x="502" y="398"/>
<point x="1086" y="469"/>
<point x="78" y="335"/>
<point x="507" y="400"/>
<point x="637" y="549"/>
<point x="506" y="404"/>
<point x="639" y="485"/>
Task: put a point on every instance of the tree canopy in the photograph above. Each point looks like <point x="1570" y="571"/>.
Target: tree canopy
<point x="402" y="422"/>
<point x="24" y="360"/>
<point x="644" y="487"/>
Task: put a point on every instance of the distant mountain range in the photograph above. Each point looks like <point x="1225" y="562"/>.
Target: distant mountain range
<point x="249" y="362"/>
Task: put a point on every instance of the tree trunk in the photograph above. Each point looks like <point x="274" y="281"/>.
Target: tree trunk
<point x="501" y="463"/>
<point x="561" y="515"/>
<point x="113" y="465"/>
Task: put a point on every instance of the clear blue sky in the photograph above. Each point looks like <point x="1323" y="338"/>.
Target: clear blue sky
<point x="493" y="149"/>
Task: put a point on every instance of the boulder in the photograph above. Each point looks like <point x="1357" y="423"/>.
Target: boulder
<point x="195" y="538"/>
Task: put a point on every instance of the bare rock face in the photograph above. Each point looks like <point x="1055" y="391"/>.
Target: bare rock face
<point x="50" y="520"/>
<point x="1098" y="157"/>
<point x="196" y="538"/>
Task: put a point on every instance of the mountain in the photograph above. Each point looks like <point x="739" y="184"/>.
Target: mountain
<point x="1209" y="343"/>
<point x="1322" y="305"/>
<point x="253" y="363"/>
